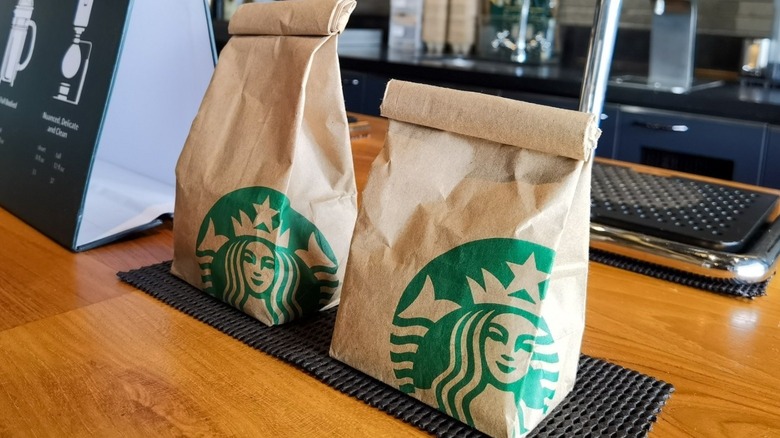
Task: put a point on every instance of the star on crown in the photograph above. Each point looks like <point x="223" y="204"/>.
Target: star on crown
<point x="262" y="226"/>
<point x="524" y="292"/>
<point x="525" y="286"/>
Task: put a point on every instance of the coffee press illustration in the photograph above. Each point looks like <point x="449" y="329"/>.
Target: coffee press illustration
<point x="22" y="25"/>
<point x="75" y="63"/>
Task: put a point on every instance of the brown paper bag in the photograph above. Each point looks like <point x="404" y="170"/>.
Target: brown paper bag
<point x="468" y="267"/>
<point x="265" y="196"/>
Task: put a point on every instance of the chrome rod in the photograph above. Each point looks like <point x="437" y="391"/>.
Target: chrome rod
<point x="755" y="265"/>
<point x="599" y="60"/>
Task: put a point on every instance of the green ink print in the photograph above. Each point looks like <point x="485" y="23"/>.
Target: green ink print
<point x="469" y="320"/>
<point x="258" y="254"/>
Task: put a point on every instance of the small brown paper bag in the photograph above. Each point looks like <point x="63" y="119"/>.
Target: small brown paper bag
<point x="468" y="267"/>
<point x="265" y="196"/>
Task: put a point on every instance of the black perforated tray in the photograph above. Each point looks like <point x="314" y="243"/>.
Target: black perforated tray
<point x="706" y="215"/>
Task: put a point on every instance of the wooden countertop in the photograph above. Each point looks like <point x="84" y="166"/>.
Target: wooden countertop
<point x="83" y="354"/>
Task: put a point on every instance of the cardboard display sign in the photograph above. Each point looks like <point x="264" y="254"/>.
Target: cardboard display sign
<point x="96" y="100"/>
<point x="468" y="266"/>
<point x="266" y="197"/>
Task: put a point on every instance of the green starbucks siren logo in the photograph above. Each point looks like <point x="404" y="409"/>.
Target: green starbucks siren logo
<point x="261" y="256"/>
<point x="468" y="324"/>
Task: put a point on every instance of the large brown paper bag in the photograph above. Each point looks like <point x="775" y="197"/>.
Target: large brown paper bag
<point x="468" y="266"/>
<point x="265" y="196"/>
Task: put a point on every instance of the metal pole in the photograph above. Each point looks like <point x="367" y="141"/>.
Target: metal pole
<point x="602" y="44"/>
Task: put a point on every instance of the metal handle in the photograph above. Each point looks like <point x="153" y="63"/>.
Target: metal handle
<point x="662" y="127"/>
<point x="756" y="265"/>
<point x="31" y="25"/>
<point x="599" y="60"/>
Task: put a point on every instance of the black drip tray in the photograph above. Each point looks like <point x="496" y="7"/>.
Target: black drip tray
<point x="706" y="215"/>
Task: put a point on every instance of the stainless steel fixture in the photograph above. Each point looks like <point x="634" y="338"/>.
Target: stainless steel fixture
<point x="599" y="60"/>
<point x="755" y="57"/>
<point x="757" y="264"/>
<point x="672" y="49"/>
<point x="672" y="43"/>
<point x="761" y="57"/>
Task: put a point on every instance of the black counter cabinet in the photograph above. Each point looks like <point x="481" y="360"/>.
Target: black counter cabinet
<point x="709" y="146"/>
<point x="745" y="149"/>
<point x="363" y="92"/>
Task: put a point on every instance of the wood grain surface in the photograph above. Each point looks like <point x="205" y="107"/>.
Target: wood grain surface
<point x="83" y="354"/>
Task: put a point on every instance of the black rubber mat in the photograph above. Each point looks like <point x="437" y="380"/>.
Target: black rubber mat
<point x="726" y="287"/>
<point x="607" y="400"/>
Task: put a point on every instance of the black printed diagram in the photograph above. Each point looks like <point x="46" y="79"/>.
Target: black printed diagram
<point x="22" y="28"/>
<point x="75" y="63"/>
<point x="21" y="44"/>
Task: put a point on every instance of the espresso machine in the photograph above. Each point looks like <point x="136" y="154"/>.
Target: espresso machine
<point x="22" y="25"/>
<point x="522" y="31"/>
<point x="75" y="63"/>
